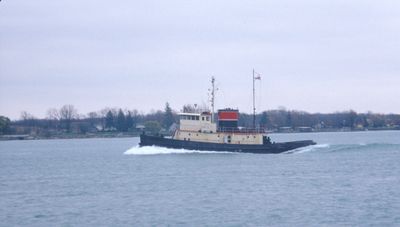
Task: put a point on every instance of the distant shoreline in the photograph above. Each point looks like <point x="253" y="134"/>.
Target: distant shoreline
<point x="137" y="134"/>
<point x="69" y="136"/>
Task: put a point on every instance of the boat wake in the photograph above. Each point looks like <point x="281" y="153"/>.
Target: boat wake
<point x="308" y="149"/>
<point x="346" y="148"/>
<point x="154" y="150"/>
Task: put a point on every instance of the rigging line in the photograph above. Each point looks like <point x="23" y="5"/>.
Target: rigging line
<point x="260" y="97"/>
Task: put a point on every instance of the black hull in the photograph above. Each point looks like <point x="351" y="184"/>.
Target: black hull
<point x="274" y="148"/>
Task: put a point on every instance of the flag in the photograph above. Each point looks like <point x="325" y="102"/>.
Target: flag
<point x="257" y="76"/>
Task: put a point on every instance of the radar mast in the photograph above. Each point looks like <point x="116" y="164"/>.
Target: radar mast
<point x="212" y="90"/>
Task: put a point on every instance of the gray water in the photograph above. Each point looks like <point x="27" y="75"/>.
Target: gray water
<point x="348" y="179"/>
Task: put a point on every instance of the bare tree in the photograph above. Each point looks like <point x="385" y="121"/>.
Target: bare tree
<point x="93" y="118"/>
<point x="54" y="117"/>
<point x="92" y="115"/>
<point x="26" y="116"/>
<point x="53" y="114"/>
<point x="67" y="114"/>
<point x="102" y="114"/>
<point x="28" y="119"/>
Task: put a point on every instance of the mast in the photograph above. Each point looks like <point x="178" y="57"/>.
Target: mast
<point x="212" y="97"/>
<point x="254" y="102"/>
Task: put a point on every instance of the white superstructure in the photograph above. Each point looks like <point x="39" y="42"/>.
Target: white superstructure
<point x="199" y="127"/>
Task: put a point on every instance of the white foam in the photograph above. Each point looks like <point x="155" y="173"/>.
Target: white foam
<point x="308" y="149"/>
<point x="153" y="150"/>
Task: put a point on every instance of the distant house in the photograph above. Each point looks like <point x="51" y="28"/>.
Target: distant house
<point x="140" y="127"/>
<point x="359" y="127"/>
<point x="82" y="127"/>
<point x="304" y="129"/>
<point x="99" y="127"/>
<point x="285" y="129"/>
<point x="110" y="129"/>
<point x="15" y="137"/>
<point x="24" y="130"/>
<point x="345" y="129"/>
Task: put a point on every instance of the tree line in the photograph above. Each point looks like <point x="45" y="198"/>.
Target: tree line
<point x="350" y="120"/>
<point x="67" y="120"/>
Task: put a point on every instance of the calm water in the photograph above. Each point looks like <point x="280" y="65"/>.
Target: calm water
<point x="348" y="179"/>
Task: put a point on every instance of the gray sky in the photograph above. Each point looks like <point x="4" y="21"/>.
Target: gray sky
<point x="317" y="56"/>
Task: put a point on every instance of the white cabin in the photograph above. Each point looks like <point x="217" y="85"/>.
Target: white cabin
<point x="197" y="122"/>
<point x="199" y="127"/>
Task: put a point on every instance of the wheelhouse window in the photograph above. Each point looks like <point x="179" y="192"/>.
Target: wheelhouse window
<point x="189" y="117"/>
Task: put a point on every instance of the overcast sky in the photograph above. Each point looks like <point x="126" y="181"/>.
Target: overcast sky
<point x="317" y="56"/>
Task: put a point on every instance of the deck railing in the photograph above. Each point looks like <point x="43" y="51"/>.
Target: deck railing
<point x="242" y="130"/>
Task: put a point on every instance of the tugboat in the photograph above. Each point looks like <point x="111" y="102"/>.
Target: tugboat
<point x="198" y="131"/>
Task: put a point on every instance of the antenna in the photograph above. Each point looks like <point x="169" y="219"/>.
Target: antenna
<point x="212" y="99"/>
<point x="254" y="96"/>
<point x="254" y="102"/>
